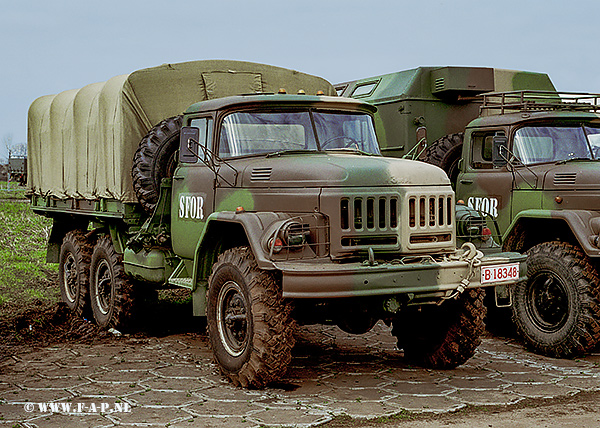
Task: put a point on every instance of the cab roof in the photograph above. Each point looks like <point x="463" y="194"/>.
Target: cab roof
<point x="279" y="100"/>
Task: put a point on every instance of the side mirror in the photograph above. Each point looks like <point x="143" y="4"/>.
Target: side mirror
<point x="189" y="139"/>
<point x="499" y="150"/>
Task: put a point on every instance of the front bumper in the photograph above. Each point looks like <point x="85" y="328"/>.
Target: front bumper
<point x="425" y="279"/>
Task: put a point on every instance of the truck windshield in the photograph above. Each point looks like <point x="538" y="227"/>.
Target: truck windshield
<point x="539" y="144"/>
<point x="253" y="133"/>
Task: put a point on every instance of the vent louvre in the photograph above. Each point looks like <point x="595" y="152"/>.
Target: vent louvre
<point x="565" y="178"/>
<point x="261" y="174"/>
<point x="440" y="84"/>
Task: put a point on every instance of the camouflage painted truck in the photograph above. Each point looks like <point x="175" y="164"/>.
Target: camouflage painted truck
<point x="543" y="191"/>
<point x="272" y="208"/>
<point x="423" y="112"/>
<point x="531" y="162"/>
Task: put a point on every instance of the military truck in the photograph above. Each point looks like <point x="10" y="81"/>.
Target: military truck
<point x="17" y="169"/>
<point x="542" y="195"/>
<point x="531" y="162"/>
<point x="272" y="208"/>
<point x="423" y="112"/>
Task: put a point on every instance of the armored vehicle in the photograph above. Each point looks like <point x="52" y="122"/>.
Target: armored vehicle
<point x="272" y="208"/>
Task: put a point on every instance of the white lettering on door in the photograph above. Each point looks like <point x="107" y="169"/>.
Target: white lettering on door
<point x="191" y="206"/>
<point x="483" y="204"/>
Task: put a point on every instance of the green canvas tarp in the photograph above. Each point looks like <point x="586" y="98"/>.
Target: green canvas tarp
<point x="81" y="142"/>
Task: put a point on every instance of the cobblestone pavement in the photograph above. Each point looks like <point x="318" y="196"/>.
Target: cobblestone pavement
<point x="173" y="381"/>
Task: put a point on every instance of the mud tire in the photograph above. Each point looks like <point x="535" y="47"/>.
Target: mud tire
<point x="446" y="153"/>
<point x="557" y="310"/>
<point x="74" y="272"/>
<point x="111" y="294"/>
<point x="255" y="349"/>
<point x="155" y="160"/>
<point x="442" y="337"/>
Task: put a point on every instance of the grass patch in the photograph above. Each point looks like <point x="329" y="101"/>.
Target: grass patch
<point x="11" y="190"/>
<point x="25" y="278"/>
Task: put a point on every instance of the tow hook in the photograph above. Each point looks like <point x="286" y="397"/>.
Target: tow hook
<point x="472" y="256"/>
<point x="371" y="260"/>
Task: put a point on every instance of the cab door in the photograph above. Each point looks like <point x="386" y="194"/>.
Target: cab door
<point x="193" y="192"/>
<point x="481" y="185"/>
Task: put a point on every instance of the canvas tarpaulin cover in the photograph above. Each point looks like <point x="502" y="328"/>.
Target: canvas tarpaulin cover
<point x="81" y="142"/>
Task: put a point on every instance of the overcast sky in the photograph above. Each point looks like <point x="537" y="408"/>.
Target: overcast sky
<point x="51" y="46"/>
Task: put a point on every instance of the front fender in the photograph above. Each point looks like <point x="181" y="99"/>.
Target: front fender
<point x="223" y="230"/>
<point x="583" y="224"/>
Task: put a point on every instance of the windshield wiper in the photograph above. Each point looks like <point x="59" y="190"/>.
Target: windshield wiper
<point x="563" y="161"/>
<point x="349" y="149"/>
<point x="290" y="152"/>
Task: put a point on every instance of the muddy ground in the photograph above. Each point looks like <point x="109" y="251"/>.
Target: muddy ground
<point x="321" y="357"/>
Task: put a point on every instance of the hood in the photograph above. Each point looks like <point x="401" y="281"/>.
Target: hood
<point x="573" y="175"/>
<point x="339" y="170"/>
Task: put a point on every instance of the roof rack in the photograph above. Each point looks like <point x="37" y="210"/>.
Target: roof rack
<point x="527" y="101"/>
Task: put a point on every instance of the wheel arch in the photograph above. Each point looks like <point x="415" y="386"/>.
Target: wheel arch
<point x="532" y="227"/>
<point x="225" y="230"/>
<point x="61" y="225"/>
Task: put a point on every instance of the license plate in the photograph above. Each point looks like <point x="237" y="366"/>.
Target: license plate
<point x="499" y="273"/>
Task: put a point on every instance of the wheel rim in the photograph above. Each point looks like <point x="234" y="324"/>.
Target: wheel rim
<point x="232" y="319"/>
<point x="70" y="284"/>
<point x="548" y="302"/>
<point x="104" y="286"/>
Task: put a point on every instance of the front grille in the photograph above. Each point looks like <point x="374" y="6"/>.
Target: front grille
<point x="429" y="211"/>
<point x="371" y="213"/>
<point x="428" y="239"/>
<point x="430" y="220"/>
<point x="355" y="241"/>
<point x="400" y="222"/>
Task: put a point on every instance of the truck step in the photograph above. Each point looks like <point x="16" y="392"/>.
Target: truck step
<point x="181" y="282"/>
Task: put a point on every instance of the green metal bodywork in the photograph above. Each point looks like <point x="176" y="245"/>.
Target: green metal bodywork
<point x="448" y="100"/>
<point x="369" y="225"/>
<point x="539" y="202"/>
<point x="443" y="100"/>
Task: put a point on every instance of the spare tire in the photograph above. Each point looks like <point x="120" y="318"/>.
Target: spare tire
<point x="155" y="160"/>
<point x="446" y="153"/>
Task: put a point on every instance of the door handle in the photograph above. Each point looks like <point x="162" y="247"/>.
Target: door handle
<point x="463" y="181"/>
<point x="178" y="177"/>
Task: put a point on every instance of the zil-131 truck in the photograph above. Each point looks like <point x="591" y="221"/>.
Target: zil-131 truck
<point x="273" y="206"/>
<point x="529" y="162"/>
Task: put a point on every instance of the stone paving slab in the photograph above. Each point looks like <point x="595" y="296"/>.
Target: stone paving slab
<point x="173" y="381"/>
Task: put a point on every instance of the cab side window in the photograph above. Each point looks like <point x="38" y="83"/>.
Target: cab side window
<point x="481" y="153"/>
<point x="198" y="151"/>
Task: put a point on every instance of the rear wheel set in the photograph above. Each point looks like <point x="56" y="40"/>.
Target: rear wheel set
<point x="92" y="280"/>
<point x="74" y="272"/>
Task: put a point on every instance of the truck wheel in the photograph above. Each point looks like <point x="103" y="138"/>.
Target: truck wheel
<point x="111" y="294"/>
<point x="557" y="310"/>
<point x="74" y="271"/>
<point x="442" y="337"/>
<point x="155" y="160"/>
<point x="446" y="153"/>
<point x="249" y="323"/>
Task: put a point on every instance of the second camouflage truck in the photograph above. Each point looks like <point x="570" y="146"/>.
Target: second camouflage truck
<point x="272" y="208"/>
<point x="529" y="163"/>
